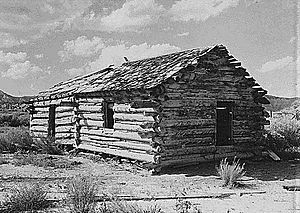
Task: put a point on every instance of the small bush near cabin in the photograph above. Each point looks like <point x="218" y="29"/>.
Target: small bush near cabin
<point x="230" y="173"/>
<point x="119" y="206"/>
<point x="82" y="194"/>
<point x="14" y="119"/>
<point x="47" y="145"/>
<point x="284" y="133"/>
<point x="25" y="198"/>
<point x="15" y="139"/>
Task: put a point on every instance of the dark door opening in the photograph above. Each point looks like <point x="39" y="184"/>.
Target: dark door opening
<point x="51" y="121"/>
<point x="224" y="123"/>
<point x="108" y="115"/>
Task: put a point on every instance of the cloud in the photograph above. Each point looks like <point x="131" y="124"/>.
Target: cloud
<point x="277" y="64"/>
<point x="7" y="40"/>
<point x="132" y="16"/>
<point x="195" y="10"/>
<point x="76" y="71"/>
<point x="15" y="65"/>
<point x="40" y="16"/>
<point x="38" y="56"/>
<point x="115" y="55"/>
<point x="183" y="34"/>
<point x="292" y="40"/>
<point x="82" y="47"/>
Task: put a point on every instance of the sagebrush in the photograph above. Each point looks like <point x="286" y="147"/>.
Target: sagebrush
<point x="119" y="206"/>
<point x="25" y="198"/>
<point x="284" y="133"/>
<point x="231" y="173"/>
<point x="82" y="192"/>
<point x="19" y="140"/>
<point x="15" y="139"/>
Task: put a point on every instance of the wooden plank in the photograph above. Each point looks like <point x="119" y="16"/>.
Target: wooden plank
<point x="89" y="108"/>
<point x="132" y="117"/>
<point x="133" y="128"/>
<point x="131" y="136"/>
<point x="123" y="153"/>
<point x="128" y="109"/>
<point x="186" y="122"/>
<point x="117" y="144"/>
<point x="86" y="122"/>
<point x="91" y="116"/>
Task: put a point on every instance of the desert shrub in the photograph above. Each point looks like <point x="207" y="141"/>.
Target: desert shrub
<point x="284" y="133"/>
<point x="230" y="173"/>
<point x="119" y="206"/>
<point x="47" y="145"/>
<point x="25" y="198"/>
<point x="82" y="194"/>
<point x="15" y="139"/>
<point x="185" y="206"/>
<point x="44" y="161"/>
<point x="14" y="119"/>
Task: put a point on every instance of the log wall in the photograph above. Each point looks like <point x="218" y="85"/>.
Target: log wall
<point x="131" y="136"/>
<point x="189" y="102"/>
<point x="64" y="120"/>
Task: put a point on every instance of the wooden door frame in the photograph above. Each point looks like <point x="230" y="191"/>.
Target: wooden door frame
<point x="229" y="105"/>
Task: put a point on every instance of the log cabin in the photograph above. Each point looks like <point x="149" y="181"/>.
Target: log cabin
<point x="182" y="108"/>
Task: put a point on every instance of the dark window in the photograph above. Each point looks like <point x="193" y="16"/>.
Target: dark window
<point x="224" y="123"/>
<point x="108" y="115"/>
<point x="51" y="121"/>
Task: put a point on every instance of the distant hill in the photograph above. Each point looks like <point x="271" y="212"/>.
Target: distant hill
<point x="280" y="103"/>
<point x="9" y="102"/>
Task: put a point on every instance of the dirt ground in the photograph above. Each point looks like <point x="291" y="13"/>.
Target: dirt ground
<point x="261" y="190"/>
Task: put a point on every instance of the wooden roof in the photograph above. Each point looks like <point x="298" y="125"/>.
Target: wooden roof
<point x="145" y="73"/>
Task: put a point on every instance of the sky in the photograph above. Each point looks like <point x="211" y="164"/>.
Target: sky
<point x="43" y="42"/>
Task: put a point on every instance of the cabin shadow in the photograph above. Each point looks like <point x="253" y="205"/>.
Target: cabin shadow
<point x="203" y="169"/>
<point x="266" y="170"/>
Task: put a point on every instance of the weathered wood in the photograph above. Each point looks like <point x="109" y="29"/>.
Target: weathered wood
<point x="126" y="108"/>
<point x="123" y="153"/>
<point x="88" y="108"/>
<point x="132" y="128"/>
<point x="130" y="136"/>
<point x="91" y="116"/>
<point x="117" y="144"/>
<point x="132" y="117"/>
<point x="86" y="122"/>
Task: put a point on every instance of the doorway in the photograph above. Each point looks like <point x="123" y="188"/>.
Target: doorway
<point x="51" y="121"/>
<point x="224" y="123"/>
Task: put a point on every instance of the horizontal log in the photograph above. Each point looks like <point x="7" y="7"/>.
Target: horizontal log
<point x="39" y="128"/>
<point x="64" y="135"/>
<point x="91" y="116"/>
<point x="188" y="103"/>
<point x="64" y="114"/>
<point x="86" y="122"/>
<point x="132" y="128"/>
<point x="170" y="142"/>
<point x="69" y="129"/>
<point x="39" y="122"/>
<point x="89" y="108"/>
<point x="126" y="108"/>
<point x="123" y="153"/>
<point x="186" y="122"/>
<point x="90" y="100"/>
<point x="65" y="141"/>
<point x="117" y="144"/>
<point x="132" y="117"/>
<point x="110" y="133"/>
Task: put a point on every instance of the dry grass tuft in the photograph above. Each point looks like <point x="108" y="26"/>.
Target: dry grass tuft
<point x="82" y="194"/>
<point x="230" y="173"/>
<point x="119" y="206"/>
<point x="26" y="198"/>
